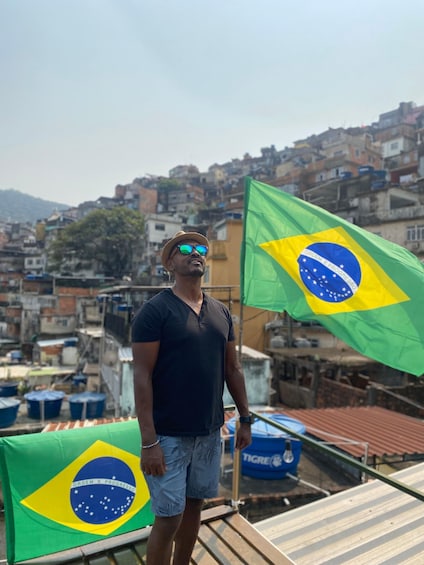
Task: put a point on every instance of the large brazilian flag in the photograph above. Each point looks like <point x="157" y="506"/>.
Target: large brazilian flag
<point x="299" y="258"/>
<point x="69" y="488"/>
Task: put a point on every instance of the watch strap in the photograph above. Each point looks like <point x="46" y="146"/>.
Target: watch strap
<point x="246" y="420"/>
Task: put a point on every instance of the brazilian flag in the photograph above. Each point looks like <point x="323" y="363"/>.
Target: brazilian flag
<point x="367" y="291"/>
<point x="69" y="488"/>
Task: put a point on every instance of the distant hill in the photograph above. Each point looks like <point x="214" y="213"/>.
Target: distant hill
<point x="19" y="207"/>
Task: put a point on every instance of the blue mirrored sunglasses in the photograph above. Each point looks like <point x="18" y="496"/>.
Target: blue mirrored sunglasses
<point x="187" y="249"/>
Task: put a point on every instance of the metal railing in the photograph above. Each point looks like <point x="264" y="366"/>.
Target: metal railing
<point x="365" y="469"/>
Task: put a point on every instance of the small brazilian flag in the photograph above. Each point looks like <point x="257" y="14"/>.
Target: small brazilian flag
<point x="69" y="488"/>
<point x="298" y="258"/>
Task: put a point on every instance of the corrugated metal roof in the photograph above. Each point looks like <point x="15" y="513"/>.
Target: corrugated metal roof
<point x="344" y="357"/>
<point x="75" y="424"/>
<point x="252" y="353"/>
<point x="49" y="342"/>
<point x="386" y="432"/>
<point x="370" y="524"/>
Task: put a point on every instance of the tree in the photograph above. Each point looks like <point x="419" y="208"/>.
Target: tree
<point x="111" y="238"/>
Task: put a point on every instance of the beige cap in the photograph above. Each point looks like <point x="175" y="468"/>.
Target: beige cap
<point x="178" y="238"/>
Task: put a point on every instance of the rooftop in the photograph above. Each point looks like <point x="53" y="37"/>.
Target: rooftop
<point x="371" y="523"/>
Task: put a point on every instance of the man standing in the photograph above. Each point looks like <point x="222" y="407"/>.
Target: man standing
<point x="184" y="350"/>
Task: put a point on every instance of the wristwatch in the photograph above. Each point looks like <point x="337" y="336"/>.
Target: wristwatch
<point x="246" y="420"/>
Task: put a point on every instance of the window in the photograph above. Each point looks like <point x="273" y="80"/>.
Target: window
<point x="415" y="233"/>
<point x="394" y="145"/>
<point x="160" y="227"/>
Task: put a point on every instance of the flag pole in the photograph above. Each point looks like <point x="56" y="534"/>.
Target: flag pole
<point x="235" y="494"/>
<point x="242" y="259"/>
<point x="237" y="454"/>
<point x="240" y="337"/>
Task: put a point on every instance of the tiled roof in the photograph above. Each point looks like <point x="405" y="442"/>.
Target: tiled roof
<point x="73" y="424"/>
<point x="386" y="432"/>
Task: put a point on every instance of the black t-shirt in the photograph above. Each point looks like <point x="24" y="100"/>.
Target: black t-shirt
<point x="188" y="379"/>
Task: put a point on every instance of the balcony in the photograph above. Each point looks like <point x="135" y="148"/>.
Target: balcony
<point x="119" y="326"/>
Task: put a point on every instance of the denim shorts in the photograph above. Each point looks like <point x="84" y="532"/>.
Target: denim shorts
<point x="192" y="471"/>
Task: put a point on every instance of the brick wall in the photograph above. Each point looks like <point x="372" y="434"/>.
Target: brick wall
<point x="333" y="394"/>
<point x="394" y="399"/>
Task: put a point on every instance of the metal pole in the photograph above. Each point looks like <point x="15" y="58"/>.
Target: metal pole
<point x="240" y="343"/>
<point x="235" y="500"/>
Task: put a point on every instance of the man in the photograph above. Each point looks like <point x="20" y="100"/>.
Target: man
<point x="184" y="350"/>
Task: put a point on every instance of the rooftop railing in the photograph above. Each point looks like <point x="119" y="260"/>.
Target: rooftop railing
<point x="320" y="446"/>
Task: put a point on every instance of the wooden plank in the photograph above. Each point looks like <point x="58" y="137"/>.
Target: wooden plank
<point x="225" y="538"/>
<point x="140" y="547"/>
<point x="201" y="555"/>
<point x="267" y="549"/>
<point x="101" y="560"/>
<point x="217" y="512"/>
<point x="223" y="554"/>
<point x="126" y="556"/>
<point x="239" y="544"/>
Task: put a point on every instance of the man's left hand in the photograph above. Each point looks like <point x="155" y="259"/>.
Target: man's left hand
<point x="244" y="436"/>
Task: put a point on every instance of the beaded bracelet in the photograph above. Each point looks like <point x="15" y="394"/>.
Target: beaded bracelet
<point x="151" y="445"/>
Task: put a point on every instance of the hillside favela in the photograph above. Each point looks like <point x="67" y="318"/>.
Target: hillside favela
<point x="335" y="470"/>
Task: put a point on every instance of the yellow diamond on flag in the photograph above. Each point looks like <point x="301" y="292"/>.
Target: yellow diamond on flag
<point x="97" y="493"/>
<point x="334" y="272"/>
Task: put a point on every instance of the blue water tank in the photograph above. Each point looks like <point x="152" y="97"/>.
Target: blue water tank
<point x="86" y="405"/>
<point x="272" y="453"/>
<point x="345" y="175"/>
<point x="16" y="355"/>
<point x="8" y="388"/>
<point x="8" y="411"/>
<point x="44" y="404"/>
<point x="79" y="379"/>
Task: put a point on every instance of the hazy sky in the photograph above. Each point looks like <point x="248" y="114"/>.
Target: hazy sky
<point x="97" y="92"/>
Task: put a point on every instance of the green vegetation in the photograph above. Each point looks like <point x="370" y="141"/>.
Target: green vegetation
<point x="113" y="238"/>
